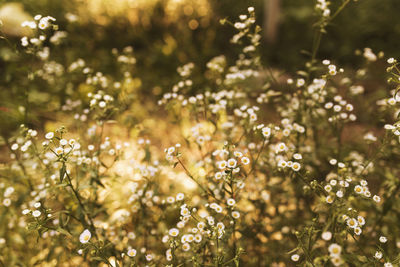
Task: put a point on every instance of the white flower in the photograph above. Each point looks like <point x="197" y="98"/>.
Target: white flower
<point x="337" y="261"/>
<point x="218" y="175"/>
<point x="361" y="220"/>
<point x="266" y="131"/>
<point x="49" y="135"/>
<point x="43" y="24"/>
<point x="7" y="202"/>
<point x="389" y="127"/>
<point x="382" y="239"/>
<point x="232" y="163"/>
<point x="358" y="189"/>
<point x="221" y="164"/>
<point x="85" y="236"/>
<point x="391" y="60"/>
<point x="185" y="246"/>
<point x="295" y="257"/>
<point x="245" y="160"/>
<point x="296" y="166"/>
<point x="235" y="214"/>
<point x="59" y="150"/>
<point x="131" y="252"/>
<point x="326" y="62"/>
<point x="149" y="257"/>
<point x="329" y="199"/>
<point x="173" y="232"/>
<point x="376" y="198"/>
<point x="339" y="194"/>
<point x="297" y="156"/>
<point x="391" y="101"/>
<point x="63" y="142"/>
<point x="180" y="196"/>
<point x="36" y="213"/>
<point x="352" y="223"/>
<point x="334" y="249"/>
<point x="378" y="255"/>
<point x="281" y="147"/>
<point x="25" y="211"/>
<point x="326" y="235"/>
<point x="170" y="150"/>
<point x="198" y="238"/>
<point x="231" y="202"/>
<point x="238" y="154"/>
<point x="328" y="188"/>
<point x="357" y="231"/>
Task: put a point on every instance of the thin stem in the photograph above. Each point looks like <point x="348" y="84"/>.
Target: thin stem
<point x="76" y="194"/>
<point x="191" y="177"/>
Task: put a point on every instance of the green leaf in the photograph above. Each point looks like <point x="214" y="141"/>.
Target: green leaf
<point x="63" y="231"/>
<point x="62" y="172"/>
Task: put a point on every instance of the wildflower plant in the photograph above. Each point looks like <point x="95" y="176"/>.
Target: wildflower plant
<point x="257" y="170"/>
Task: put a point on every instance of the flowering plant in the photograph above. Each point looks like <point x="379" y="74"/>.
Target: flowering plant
<point x="259" y="169"/>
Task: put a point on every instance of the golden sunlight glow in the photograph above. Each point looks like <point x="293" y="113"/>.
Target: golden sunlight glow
<point x="103" y="10"/>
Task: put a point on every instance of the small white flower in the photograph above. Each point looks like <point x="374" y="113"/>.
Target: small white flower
<point x="245" y="160"/>
<point x="326" y="235"/>
<point x="59" y="150"/>
<point x="334" y="249"/>
<point x="295" y="257"/>
<point x="149" y="257"/>
<point x="36" y="213"/>
<point x="266" y="131"/>
<point x="328" y="188"/>
<point x="180" y="196"/>
<point x="352" y="223"/>
<point x="339" y="194"/>
<point x="358" y="189"/>
<point x="49" y="135"/>
<point x="231" y="202"/>
<point x="221" y="164"/>
<point x="131" y="252"/>
<point x="357" y="231"/>
<point x="296" y="166"/>
<point x="376" y="198"/>
<point x="85" y="236"/>
<point x="7" y="202"/>
<point x="25" y="211"/>
<point x="329" y="199"/>
<point x="232" y="163"/>
<point x="297" y="156"/>
<point x="389" y="127"/>
<point x="391" y="101"/>
<point x="281" y="147"/>
<point x="391" y="60"/>
<point x="235" y="214"/>
<point x="378" y="255"/>
<point x="382" y="239"/>
<point x="173" y="232"/>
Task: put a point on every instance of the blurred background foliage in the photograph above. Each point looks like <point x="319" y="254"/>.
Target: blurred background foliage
<point x="168" y="33"/>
